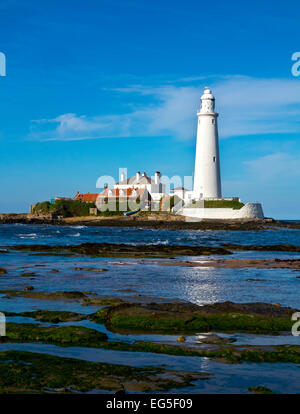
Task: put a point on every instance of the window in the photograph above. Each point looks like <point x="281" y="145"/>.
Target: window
<point x="212" y="121"/>
<point x="214" y="159"/>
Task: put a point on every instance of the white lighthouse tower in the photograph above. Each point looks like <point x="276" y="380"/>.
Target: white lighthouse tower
<point x="207" y="178"/>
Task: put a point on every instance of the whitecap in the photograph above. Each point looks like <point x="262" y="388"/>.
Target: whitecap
<point x="160" y="242"/>
<point x="75" y="235"/>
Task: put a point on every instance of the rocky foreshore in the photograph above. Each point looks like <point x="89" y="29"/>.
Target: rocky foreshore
<point x="150" y="315"/>
<point x="149" y="251"/>
<point x="149" y="220"/>
<point x="208" y="331"/>
<point x="121" y="250"/>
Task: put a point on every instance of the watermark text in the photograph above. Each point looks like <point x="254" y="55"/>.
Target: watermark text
<point x="2" y="324"/>
<point x="296" y="325"/>
<point x="296" y="65"/>
<point x="2" y="64"/>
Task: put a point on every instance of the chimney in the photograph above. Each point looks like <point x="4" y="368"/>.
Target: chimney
<point x="122" y="177"/>
<point x="157" y="177"/>
<point x="144" y="174"/>
<point x="105" y="186"/>
<point x="138" y="176"/>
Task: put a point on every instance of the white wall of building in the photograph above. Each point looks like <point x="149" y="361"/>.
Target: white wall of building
<point x="248" y="211"/>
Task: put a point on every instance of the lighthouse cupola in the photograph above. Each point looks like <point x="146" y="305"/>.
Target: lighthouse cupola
<point x="207" y="102"/>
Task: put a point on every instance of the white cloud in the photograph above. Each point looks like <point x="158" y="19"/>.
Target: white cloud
<point x="247" y="106"/>
<point x="272" y="180"/>
<point x="277" y="167"/>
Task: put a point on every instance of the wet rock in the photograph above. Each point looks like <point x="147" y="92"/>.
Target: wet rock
<point x="251" y="308"/>
<point x="28" y="274"/>
<point x="229" y="263"/>
<point x="103" y="301"/>
<point x="64" y="335"/>
<point x="28" y="288"/>
<point x="79" y="336"/>
<point x="27" y="372"/>
<point x="181" y="339"/>
<point x="46" y="295"/>
<point x="216" y="340"/>
<point x="255" y="280"/>
<point x="54" y="316"/>
<point x="179" y="317"/>
<point x="259" y="389"/>
<point x="123" y="250"/>
<point x="264" y="248"/>
<point x="91" y="269"/>
<point x="2" y="271"/>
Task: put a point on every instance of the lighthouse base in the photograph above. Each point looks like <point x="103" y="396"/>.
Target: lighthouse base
<point x="248" y="211"/>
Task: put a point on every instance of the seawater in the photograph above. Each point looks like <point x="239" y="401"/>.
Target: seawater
<point x="129" y="277"/>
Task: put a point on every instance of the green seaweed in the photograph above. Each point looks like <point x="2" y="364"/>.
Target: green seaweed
<point x="63" y="295"/>
<point x="54" y="316"/>
<point x="80" y="336"/>
<point x="215" y="322"/>
<point x="27" y="372"/>
<point x="63" y="335"/>
<point x="259" y="389"/>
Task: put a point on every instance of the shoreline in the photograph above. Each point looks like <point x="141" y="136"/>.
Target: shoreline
<point x="155" y="221"/>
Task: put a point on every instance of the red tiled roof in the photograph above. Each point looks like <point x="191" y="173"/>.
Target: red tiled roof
<point x="110" y="192"/>
<point x="87" y="197"/>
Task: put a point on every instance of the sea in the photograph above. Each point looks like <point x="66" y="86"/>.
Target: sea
<point x="129" y="278"/>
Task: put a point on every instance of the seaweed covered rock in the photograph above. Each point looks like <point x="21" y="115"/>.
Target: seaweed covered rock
<point x="260" y="389"/>
<point x="64" y="335"/>
<point x="59" y="295"/>
<point x="123" y="250"/>
<point x="54" y="316"/>
<point x="27" y="372"/>
<point x="180" y="317"/>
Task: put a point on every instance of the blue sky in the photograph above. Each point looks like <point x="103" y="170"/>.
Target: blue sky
<point x="97" y="85"/>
